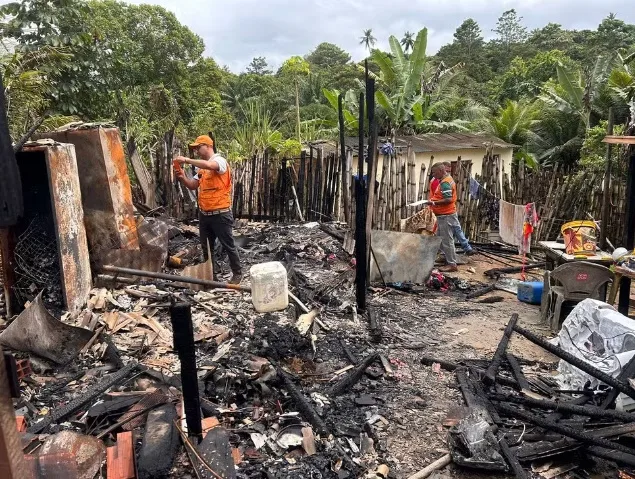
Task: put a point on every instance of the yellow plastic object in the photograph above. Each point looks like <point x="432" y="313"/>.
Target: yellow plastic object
<point x="580" y="238"/>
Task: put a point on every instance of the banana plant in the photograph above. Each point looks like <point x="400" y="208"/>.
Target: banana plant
<point x="411" y="90"/>
<point x="575" y="93"/>
<point x="622" y="79"/>
<point x="350" y="105"/>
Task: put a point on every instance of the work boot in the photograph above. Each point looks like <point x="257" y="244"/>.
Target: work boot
<point x="451" y="268"/>
<point x="470" y="252"/>
<point x="236" y="278"/>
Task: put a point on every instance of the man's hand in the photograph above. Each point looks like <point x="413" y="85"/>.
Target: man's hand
<point x="181" y="160"/>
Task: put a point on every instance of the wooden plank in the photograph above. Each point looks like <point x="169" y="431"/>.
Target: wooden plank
<point x="120" y="458"/>
<point x="619" y="140"/>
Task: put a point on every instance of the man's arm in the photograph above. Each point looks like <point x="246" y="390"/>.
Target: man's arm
<point x="189" y="183"/>
<point x="213" y="164"/>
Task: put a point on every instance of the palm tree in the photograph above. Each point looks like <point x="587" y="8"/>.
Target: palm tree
<point x="408" y="41"/>
<point x="367" y="39"/>
<point x="514" y="122"/>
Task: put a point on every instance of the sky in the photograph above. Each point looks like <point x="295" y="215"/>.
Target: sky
<point x="235" y="31"/>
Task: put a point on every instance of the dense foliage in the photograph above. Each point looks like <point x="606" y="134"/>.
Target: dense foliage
<point x="548" y="90"/>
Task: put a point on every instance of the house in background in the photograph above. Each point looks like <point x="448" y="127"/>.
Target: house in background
<point x="442" y="146"/>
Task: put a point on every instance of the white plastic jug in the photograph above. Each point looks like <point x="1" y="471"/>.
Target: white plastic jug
<point x="269" y="287"/>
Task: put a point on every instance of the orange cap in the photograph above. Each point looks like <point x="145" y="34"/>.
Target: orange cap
<point x="202" y="140"/>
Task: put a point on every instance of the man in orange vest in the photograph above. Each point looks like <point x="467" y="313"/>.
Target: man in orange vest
<point x="443" y="205"/>
<point x="214" y="184"/>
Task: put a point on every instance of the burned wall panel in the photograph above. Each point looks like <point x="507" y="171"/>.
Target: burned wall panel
<point x="106" y="191"/>
<point x="48" y="248"/>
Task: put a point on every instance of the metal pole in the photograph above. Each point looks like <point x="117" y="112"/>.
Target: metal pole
<point x="174" y="277"/>
<point x="360" y="217"/>
<point x="629" y="233"/>
<point x="606" y="195"/>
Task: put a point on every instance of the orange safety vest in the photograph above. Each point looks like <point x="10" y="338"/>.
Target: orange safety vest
<point x="437" y="195"/>
<point x="214" y="190"/>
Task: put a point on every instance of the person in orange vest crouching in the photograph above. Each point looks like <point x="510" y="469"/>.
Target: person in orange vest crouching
<point x="214" y="184"/>
<point x="443" y="205"/>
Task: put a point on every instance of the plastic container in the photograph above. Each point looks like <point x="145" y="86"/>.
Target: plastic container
<point x="579" y="237"/>
<point x="530" y="292"/>
<point x="269" y="287"/>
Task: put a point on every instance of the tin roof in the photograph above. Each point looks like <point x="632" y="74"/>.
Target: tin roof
<point x="431" y="142"/>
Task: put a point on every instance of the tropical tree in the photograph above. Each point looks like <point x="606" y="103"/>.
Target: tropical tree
<point x="622" y="79"/>
<point x="408" y="41"/>
<point x="296" y="68"/>
<point x="410" y="89"/>
<point x="515" y="123"/>
<point x="259" y="66"/>
<point x="577" y="94"/>
<point x="367" y="39"/>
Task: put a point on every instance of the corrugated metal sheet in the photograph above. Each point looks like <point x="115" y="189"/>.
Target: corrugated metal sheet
<point x="431" y="142"/>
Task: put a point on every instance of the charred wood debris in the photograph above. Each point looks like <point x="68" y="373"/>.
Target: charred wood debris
<point x="296" y="394"/>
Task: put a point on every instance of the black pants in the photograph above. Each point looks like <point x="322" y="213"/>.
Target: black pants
<point x="219" y="226"/>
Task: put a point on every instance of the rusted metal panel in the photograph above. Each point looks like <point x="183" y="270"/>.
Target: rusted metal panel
<point x="68" y="216"/>
<point x="106" y="192"/>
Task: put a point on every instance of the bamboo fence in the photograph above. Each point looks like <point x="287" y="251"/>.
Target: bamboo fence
<point x="320" y="187"/>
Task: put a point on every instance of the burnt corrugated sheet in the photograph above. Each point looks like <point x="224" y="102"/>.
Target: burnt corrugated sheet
<point x="11" y="206"/>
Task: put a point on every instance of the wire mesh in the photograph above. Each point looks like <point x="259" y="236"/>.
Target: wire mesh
<point x="37" y="263"/>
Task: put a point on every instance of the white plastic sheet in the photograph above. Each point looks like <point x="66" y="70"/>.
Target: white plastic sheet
<point x="599" y="335"/>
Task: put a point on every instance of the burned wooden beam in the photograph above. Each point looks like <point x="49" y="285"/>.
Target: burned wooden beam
<point x="481" y="292"/>
<point x="496" y="272"/>
<point x="374" y="325"/>
<point x="353" y="378"/>
<point x="60" y="414"/>
<point x="627" y="372"/>
<point x="308" y="412"/>
<point x="348" y="353"/>
<point x="590" y="411"/>
<point x="466" y="388"/>
<point x="303" y="405"/>
<point x="511" y="458"/>
<point x="492" y="370"/>
<point x="450" y="366"/>
<point x="517" y="372"/>
<point x="612" y="455"/>
<point x="583" y="437"/>
<point x="181" y="318"/>
<point x="577" y="362"/>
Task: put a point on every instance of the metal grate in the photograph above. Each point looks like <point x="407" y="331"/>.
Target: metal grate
<point x="37" y="263"/>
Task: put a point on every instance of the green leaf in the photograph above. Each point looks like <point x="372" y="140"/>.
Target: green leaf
<point x="383" y="61"/>
<point x="571" y="87"/>
<point x="417" y="62"/>
<point x="332" y="97"/>
<point x="399" y="59"/>
<point x="383" y="101"/>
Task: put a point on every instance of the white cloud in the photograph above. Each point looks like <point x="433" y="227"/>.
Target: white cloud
<point x="235" y="31"/>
